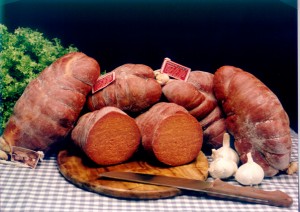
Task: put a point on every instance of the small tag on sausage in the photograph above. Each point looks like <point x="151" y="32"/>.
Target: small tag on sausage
<point x="175" y="70"/>
<point x="26" y="157"/>
<point x="103" y="81"/>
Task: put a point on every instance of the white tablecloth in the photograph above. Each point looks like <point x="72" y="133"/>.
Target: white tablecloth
<point x="45" y="189"/>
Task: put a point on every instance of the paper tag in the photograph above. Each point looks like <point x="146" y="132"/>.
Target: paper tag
<point x="103" y="81"/>
<point x="25" y="156"/>
<point x="175" y="70"/>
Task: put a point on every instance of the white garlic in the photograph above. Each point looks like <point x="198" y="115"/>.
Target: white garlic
<point x="3" y="155"/>
<point x="293" y="168"/>
<point x="222" y="168"/>
<point x="4" y="146"/>
<point x="249" y="173"/>
<point x="161" y="78"/>
<point x="226" y="151"/>
<point x="156" y="72"/>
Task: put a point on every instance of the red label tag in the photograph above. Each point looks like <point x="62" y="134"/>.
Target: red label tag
<point x="103" y="81"/>
<point x="175" y="70"/>
<point x="25" y="156"/>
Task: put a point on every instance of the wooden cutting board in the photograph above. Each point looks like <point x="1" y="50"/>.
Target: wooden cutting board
<point x="82" y="172"/>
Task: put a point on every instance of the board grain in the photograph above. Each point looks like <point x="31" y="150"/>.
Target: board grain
<point x="82" y="172"/>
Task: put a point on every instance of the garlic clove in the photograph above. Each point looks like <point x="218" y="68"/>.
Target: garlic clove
<point x="214" y="154"/>
<point x="3" y="155"/>
<point x="162" y="79"/>
<point x="293" y="168"/>
<point x="226" y="151"/>
<point x="222" y="168"/>
<point x="249" y="173"/>
<point x="157" y="72"/>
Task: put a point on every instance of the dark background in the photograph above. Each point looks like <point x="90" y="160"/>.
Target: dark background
<point x="259" y="36"/>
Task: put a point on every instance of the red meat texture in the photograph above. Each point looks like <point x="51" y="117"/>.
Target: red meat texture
<point x="51" y="104"/>
<point x="196" y="95"/>
<point x="255" y="117"/>
<point x="133" y="90"/>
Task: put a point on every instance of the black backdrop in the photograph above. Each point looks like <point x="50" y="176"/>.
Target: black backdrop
<point x="259" y="36"/>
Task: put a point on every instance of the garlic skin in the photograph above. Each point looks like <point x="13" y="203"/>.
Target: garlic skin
<point x="249" y="173"/>
<point x="222" y="168"/>
<point x="226" y="151"/>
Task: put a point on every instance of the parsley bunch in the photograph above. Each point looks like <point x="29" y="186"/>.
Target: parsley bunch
<point x="24" y="53"/>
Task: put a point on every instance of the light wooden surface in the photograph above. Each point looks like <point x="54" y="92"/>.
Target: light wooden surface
<point x="82" y="172"/>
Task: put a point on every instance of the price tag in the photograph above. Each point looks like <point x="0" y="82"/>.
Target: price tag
<point x="103" y="81"/>
<point x="25" y="156"/>
<point x="175" y="70"/>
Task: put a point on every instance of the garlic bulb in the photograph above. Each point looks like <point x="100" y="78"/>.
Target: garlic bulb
<point x="161" y="78"/>
<point x="293" y="168"/>
<point x="3" y="155"/>
<point x="222" y="168"/>
<point x="156" y="72"/>
<point x="226" y="151"/>
<point x="249" y="173"/>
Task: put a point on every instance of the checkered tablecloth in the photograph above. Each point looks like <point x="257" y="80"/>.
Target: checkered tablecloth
<point x="44" y="189"/>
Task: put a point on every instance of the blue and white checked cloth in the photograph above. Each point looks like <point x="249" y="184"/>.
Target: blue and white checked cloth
<point x="45" y="189"/>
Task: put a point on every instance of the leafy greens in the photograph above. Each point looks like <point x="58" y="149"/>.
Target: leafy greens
<point x="24" y="53"/>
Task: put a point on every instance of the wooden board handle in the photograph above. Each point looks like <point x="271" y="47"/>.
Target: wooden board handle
<point x="249" y="194"/>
